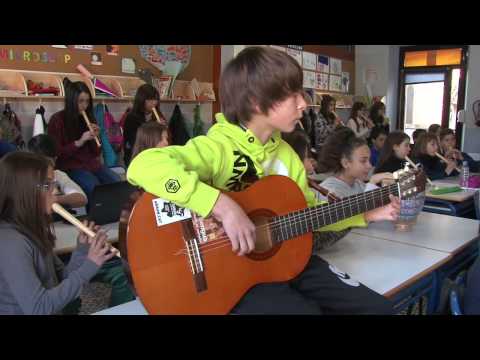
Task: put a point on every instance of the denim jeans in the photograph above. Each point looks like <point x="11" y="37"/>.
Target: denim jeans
<point x="87" y="180"/>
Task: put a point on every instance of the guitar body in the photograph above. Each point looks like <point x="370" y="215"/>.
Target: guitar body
<point x="163" y="274"/>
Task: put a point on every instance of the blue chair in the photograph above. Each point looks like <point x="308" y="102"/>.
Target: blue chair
<point x="456" y="294"/>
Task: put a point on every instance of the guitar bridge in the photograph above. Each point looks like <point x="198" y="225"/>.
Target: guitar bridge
<point x="194" y="256"/>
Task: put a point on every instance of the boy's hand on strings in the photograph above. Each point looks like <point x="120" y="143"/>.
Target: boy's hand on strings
<point x="239" y="228"/>
<point x="388" y="212"/>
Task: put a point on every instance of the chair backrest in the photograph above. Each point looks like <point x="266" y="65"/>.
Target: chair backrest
<point x="456" y="294"/>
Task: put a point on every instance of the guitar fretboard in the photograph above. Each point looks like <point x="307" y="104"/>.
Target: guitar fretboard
<point x="306" y="220"/>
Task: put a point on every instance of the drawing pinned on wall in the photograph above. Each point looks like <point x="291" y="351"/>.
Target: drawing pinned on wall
<point x="345" y="81"/>
<point x="158" y="55"/>
<point x="309" y="80"/>
<point x="113" y="50"/>
<point x="96" y="58"/>
<point x="322" y="81"/>
<point x="335" y="66"/>
<point x="335" y="83"/>
<point x="309" y="61"/>
<point x="83" y="47"/>
<point x="128" y="66"/>
<point x="323" y="64"/>
<point x="296" y="54"/>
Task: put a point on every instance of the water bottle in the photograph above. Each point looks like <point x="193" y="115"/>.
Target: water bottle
<point x="465" y="175"/>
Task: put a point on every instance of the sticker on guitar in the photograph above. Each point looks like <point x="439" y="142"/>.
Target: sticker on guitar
<point x="206" y="229"/>
<point x="166" y="212"/>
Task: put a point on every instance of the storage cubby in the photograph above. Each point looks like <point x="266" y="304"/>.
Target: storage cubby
<point x="113" y="84"/>
<point x="46" y="79"/>
<point x="12" y="84"/>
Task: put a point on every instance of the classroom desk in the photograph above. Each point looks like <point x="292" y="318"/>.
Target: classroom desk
<point x="444" y="233"/>
<point x="66" y="235"/>
<point x="134" y="307"/>
<point x="386" y="267"/>
<point x="455" y="204"/>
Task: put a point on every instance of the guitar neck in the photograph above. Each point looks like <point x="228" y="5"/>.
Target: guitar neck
<point x="307" y="220"/>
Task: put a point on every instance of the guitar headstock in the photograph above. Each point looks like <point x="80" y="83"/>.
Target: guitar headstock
<point x="411" y="182"/>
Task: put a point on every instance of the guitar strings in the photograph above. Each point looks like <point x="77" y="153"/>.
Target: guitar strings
<point x="279" y="223"/>
<point x="276" y="224"/>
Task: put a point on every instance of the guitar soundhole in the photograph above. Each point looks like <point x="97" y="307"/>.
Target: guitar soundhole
<point x="264" y="246"/>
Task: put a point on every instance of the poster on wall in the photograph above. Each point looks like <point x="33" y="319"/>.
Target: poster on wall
<point x="296" y="54"/>
<point x="309" y="80"/>
<point x="335" y="83"/>
<point x="83" y="47"/>
<point x="345" y="81"/>
<point x="113" y="50"/>
<point x="322" y="81"/>
<point x="309" y="61"/>
<point x="323" y="64"/>
<point x="158" y="55"/>
<point x="96" y="58"/>
<point x="335" y="66"/>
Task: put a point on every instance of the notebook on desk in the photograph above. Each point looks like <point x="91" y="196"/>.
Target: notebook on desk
<point x="107" y="202"/>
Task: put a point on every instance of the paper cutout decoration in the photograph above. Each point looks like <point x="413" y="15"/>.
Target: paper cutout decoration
<point x="322" y="81"/>
<point x="335" y="66"/>
<point x="309" y="79"/>
<point x="158" y="55"/>
<point x="323" y="64"/>
<point x="309" y="61"/>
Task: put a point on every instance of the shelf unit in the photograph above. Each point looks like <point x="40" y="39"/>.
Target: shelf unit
<point x="124" y="86"/>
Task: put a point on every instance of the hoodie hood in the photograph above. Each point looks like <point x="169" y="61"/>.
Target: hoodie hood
<point x="244" y="139"/>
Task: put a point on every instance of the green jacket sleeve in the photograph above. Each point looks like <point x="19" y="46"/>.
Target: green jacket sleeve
<point x="179" y="173"/>
<point x="354" y="221"/>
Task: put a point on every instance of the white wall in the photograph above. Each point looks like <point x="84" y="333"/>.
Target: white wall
<point x="471" y="132"/>
<point x="383" y="59"/>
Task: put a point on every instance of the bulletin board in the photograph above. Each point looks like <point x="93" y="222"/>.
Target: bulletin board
<point x="50" y="59"/>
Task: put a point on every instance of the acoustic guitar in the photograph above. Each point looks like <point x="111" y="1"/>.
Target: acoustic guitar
<point x="182" y="263"/>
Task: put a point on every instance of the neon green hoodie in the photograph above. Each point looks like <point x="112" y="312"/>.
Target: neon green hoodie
<point x="228" y="158"/>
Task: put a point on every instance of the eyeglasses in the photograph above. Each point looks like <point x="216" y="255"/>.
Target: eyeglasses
<point x="48" y="186"/>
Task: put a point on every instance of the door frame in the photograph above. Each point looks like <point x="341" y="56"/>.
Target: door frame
<point x="423" y="69"/>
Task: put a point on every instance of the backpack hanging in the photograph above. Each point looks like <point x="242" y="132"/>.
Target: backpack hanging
<point x="177" y="127"/>
<point x="114" y="131"/>
<point x="11" y="127"/>
<point x="197" y="122"/>
<point x="109" y="156"/>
